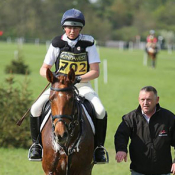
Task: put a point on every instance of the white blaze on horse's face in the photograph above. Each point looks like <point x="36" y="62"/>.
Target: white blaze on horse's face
<point x="60" y="94"/>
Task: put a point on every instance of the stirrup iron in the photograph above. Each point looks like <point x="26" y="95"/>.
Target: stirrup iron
<point x="106" y="155"/>
<point x="29" y="152"/>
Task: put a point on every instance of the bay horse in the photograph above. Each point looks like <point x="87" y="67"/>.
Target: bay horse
<point x="151" y="53"/>
<point x="67" y="137"/>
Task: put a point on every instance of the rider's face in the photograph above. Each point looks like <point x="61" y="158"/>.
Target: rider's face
<point x="72" y="32"/>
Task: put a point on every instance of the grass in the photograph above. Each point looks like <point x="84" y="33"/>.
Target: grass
<point x="15" y="162"/>
<point x="126" y="76"/>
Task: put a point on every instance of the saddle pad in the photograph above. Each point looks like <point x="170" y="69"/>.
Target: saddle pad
<point x="45" y="120"/>
<point x="87" y="115"/>
<point x="89" y="118"/>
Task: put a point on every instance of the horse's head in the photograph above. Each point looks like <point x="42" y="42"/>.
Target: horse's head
<point x="62" y="99"/>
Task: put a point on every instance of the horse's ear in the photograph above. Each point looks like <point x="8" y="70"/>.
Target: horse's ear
<point x="49" y="75"/>
<point x="71" y="75"/>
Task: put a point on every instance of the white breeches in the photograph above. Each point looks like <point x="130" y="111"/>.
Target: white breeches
<point x="37" y="107"/>
<point x="85" y="90"/>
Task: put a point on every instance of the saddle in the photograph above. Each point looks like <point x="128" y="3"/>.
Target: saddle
<point x="90" y="108"/>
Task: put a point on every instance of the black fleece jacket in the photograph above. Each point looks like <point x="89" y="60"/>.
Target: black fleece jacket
<point x="150" y="146"/>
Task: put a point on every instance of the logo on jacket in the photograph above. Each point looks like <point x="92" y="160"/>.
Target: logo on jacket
<point x="78" y="48"/>
<point x="163" y="133"/>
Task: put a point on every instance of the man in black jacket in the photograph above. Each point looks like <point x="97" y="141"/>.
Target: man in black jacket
<point x="152" y="133"/>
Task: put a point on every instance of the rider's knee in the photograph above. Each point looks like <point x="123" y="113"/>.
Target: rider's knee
<point x="37" y="107"/>
<point x="100" y="113"/>
<point x="35" y="110"/>
<point x="98" y="106"/>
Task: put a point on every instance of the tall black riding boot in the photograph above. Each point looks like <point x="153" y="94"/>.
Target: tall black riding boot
<point x="100" y="153"/>
<point x="35" y="151"/>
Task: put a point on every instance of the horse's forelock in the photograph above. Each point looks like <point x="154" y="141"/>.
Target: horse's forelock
<point x="62" y="79"/>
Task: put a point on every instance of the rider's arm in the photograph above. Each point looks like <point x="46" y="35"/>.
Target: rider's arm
<point x="43" y="69"/>
<point x="94" y="60"/>
<point x="49" y="60"/>
<point x="92" y="74"/>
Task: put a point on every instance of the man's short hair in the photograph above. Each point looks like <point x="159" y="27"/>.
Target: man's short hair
<point x="149" y="89"/>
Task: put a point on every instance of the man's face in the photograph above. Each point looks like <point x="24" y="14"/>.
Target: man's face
<point x="148" y="101"/>
<point x="72" y="32"/>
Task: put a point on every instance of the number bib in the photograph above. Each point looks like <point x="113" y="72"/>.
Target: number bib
<point x="78" y="62"/>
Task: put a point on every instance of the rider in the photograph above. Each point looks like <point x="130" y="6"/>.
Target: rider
<point x="151" y="41"/>
<point x="72" y="49"/>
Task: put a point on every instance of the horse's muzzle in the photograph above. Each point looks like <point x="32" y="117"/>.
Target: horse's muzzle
<point x="61" y="139"/>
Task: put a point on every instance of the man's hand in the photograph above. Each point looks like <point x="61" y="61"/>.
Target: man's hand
<point x="173" y="168"/>
<point x="120" y="156"/>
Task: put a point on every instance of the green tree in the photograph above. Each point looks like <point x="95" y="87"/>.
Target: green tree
<point x="41" y="19"/>
<point x="17" y="65"/>
<point x="14" y="102"/>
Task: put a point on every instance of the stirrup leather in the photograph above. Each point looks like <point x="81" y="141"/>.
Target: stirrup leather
<point x="106" y="155"/>
<point x="29" y="153"/>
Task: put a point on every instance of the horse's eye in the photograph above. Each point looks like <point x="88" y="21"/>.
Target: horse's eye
<point x="51" y="99"/>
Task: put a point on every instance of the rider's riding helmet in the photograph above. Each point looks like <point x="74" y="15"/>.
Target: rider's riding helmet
<point x="73" y="17"/>
<point x="152" y="32"/>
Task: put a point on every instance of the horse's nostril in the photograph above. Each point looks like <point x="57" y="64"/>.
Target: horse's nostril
<point x="65" y="135"/>
<point x="60" y="137"/>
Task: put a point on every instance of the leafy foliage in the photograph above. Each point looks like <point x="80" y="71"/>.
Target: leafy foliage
<point x="14" y="102"/>
<point x="17" y="65"/>
<point x="41" y="19"/>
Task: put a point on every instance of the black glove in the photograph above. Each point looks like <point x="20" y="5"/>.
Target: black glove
<point x="54" y="74"/>
<point x="77" y="79"/>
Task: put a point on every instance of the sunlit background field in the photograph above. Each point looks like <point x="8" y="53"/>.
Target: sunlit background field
<point x="126" y="75"/>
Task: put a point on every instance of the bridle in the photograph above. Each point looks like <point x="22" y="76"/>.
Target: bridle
<point x="61" y="117"/>
<point x="69" y="117"/>
<point x="74" y="122"/>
